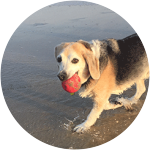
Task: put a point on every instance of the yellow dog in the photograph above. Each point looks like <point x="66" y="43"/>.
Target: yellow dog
<point x="104" y="67"/>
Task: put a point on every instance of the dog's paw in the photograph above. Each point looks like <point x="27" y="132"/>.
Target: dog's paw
<point x="81" y="128"/>
<point x="117" y="102"/>
<point x="126" y="103"/>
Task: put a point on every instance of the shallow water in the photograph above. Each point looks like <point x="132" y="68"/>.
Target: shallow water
<point x="31" y="48"/>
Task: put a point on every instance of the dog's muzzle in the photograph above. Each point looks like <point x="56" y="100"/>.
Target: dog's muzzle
<point x="62" y="76"/>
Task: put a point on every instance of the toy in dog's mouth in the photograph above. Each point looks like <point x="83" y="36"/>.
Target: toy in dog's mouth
<point x="73" y="84"/>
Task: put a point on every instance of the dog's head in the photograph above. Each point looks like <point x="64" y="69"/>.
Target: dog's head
<point x="77" y="57"/>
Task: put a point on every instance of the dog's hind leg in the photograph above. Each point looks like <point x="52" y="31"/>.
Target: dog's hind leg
<point x="140" y="86"/>
<point x="140" y="89"/>
<point x="112" y="105"/>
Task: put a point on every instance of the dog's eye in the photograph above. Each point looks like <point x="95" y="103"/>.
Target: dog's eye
<point x="59" y="59"/>
<point x="74" y="61"/>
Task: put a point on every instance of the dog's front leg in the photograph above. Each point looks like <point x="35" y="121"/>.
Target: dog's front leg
<point x="102" y="91"/>
<point x="91" y="118"/>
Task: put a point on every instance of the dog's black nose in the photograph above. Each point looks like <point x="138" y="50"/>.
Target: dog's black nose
<point x="62" y="75"/>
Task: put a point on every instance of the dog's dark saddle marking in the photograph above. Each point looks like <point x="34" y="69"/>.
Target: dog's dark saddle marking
<point x="129" y="61"/>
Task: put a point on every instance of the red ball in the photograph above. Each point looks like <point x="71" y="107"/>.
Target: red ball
<point x="73" y="84"/>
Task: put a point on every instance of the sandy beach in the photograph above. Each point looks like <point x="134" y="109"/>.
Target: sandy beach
<point x="30" y="85"/>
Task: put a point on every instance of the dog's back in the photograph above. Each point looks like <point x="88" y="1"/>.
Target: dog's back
<point x="132" y="62"/>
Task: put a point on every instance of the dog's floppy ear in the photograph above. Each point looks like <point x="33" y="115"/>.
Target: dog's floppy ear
<point x="59" y="48"/>
<point x="86" y="44"/>
<point x="93" y="64"/>
<point x="91" y="59"/>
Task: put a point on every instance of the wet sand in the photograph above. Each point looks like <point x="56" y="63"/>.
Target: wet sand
<point x="34" y="94"/>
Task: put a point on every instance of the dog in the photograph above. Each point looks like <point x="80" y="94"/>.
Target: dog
<point x="105" y="67"/>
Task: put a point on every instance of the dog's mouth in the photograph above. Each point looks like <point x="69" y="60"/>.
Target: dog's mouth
<point x="72" y="76"/>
